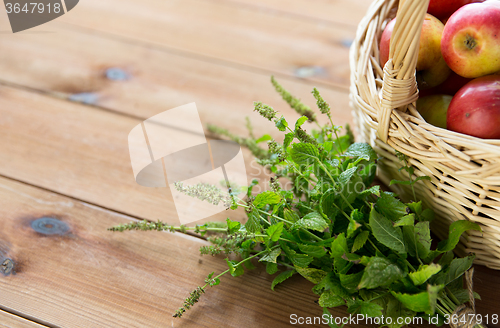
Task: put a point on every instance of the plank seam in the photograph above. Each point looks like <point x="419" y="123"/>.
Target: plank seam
<point x="204" y="58"/>
<point x="260" y="8"/>
<point x="101" y="207"/>
<point x="27" y="317"/>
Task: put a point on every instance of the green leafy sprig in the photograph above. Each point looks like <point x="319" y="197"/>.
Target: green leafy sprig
<point x="361" y="247"/>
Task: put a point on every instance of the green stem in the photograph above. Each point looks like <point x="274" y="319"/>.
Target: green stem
<point x="333" y="181"/>
<point x="286" y="221"/>
<point x="287" y="240"/>
<point x="286" y="264"/>
<point x="409" y="264"/>
<point x="239" y="263"/>
<point x="376" y="249"/>
<point x="308" y="179"/>
<point x="452" y="297"/>
<point x="445" y="305"/>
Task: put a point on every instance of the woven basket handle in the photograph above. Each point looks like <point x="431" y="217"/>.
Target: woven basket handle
<point x="400" y="87"/>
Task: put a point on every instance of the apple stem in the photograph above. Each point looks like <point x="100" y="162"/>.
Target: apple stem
<point x="470" y="42"/>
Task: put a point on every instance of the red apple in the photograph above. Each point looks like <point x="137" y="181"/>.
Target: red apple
<point x="444" y="8"/>
<point x="431" y="67"/>
<point x="475" y="109"/>
<point x="433" y="109"/>
<point x="471" y="40"/>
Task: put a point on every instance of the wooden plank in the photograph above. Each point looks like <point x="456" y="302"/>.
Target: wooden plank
<point x="74" y="65"/>
<point x="260" y="40"/>
<point x="8" y="320"/>
<point x="90" y="277"/>
<point x="348" y="12"/>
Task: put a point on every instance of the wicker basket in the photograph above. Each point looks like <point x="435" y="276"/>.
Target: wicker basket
<point x="464" y="170"/>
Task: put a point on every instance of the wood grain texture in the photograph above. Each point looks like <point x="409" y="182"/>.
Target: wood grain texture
<point x="8" y="320"/>
<point x="90" y="277"/>
<point x="340" y="12"/>
<point x="254" y="39"/>
<point x="74" y="64"/>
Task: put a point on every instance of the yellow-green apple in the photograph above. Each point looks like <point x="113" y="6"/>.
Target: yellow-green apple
<point x="444" y="8"/>
<point x="434" y="108"/>
<point x="431" y="67"/>
<point x="471" y="40"/>
<point x="475" y="108"/>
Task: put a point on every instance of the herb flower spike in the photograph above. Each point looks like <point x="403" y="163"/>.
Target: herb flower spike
<point x="265" y="110"/>
<point x="295" y="103"/>
<point x="323" y="106"/>
<point x="204" y="191"/>
<point x="274" y="148"/>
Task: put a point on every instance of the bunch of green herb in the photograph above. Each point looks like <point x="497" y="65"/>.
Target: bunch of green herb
<point x="361" y="247"/>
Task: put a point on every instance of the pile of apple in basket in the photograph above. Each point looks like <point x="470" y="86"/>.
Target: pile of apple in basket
<point x="458" y="67"/>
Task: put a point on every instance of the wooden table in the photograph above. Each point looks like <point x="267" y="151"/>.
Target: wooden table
<point x="70" y="92"/>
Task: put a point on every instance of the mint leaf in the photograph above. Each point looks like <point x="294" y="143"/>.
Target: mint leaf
<point x="232" y="226"/>
<point x="375" y="190"/>
<point x="267" y="197"/>
<point x="395" y="310"/>
<point x="271" y="268"/>
<point x="291" y="216"/>
<point x="300" y="121"/>
<point x="253" y="223"/>
<point x="339" y="246"/>
<point x="424" y="273"/>
<point x="418" y="240"/>
<point x="427" y="215"/>
<point x="281" y="124"/>
<point x="365" y="308"/>
<point x="314" y="251"/>
<point x="271" y="255"/>
<point x="234" y="269"/>
<point x="416" y="207"/>
<point x="274" y="232"/>
<point x="355" y="217"/>
<point x="331" y="282"/>
<point x="282" y="277"/>
<point x="458" y="267"/>
<point x="304" y="153"/>
<point x="385" y="233"/>
<point x="329" y="299"/>
<point x="405" y="221"/>
<point x="456" y="230"/>
<point x="265" y="137"/>
<point x="298" y="260"/>
<point x="312" y="221"/>
<point x="390" y="207"/>
<point x="288" y="139"/>
<point x="423" y="234"/>
<point x="311" y="274"/>
<point x="380" y="272"/>
<point x="361" y="150"/>
<point x="327" y="206"/>
<point x="351" y="281"/>
<point x="421" y="302"/>
<point x="360" y="240"/>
